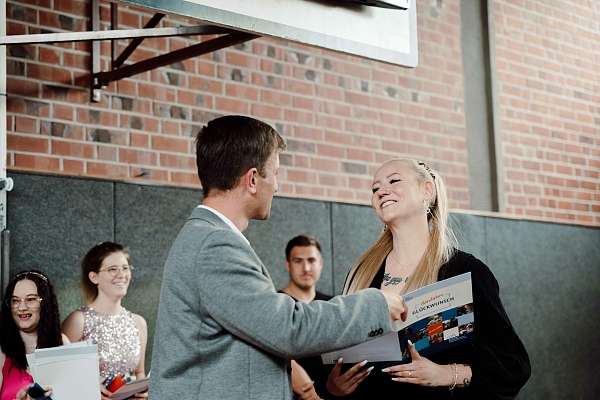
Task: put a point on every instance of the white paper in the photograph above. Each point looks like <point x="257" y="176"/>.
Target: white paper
<point x="385" y="348"/>
<point x="72" y="371"/>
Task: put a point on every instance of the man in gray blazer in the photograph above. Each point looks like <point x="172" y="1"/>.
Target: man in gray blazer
<point x="223" y="331"/>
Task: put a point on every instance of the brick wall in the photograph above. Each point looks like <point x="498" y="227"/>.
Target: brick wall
<point x="548" y="71"/>
<point x="340" y="115"/>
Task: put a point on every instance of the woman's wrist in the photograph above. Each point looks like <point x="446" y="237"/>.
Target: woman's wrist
<point x="465" y="375"/>
<point x="458" y="375"/>
<point x="453" y="376"/>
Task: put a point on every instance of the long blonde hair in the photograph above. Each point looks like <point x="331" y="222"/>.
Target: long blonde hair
<point x="439" y="250"/>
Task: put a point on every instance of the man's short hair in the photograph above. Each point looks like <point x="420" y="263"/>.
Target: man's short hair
<point x="229" y="146"/>
<point x="301" y="241"/>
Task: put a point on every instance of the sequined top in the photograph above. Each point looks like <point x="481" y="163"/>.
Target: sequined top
<point x="117" y="337"/>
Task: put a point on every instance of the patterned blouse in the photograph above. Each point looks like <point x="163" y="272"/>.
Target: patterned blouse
<point x="118" y="340"/>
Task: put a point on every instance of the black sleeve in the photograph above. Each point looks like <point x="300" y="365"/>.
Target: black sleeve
<point x="500" y="362"/>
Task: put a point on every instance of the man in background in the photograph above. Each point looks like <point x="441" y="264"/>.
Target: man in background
<point x="304" y="263"/>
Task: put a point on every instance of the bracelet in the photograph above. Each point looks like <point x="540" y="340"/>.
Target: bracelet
<point x="455" y="369"/>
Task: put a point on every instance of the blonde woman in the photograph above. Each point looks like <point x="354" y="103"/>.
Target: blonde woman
<point x="417" y="248"/>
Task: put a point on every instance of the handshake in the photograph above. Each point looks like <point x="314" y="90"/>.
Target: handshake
<point x="396" y="306"/>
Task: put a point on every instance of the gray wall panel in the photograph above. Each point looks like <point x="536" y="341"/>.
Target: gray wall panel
<point x="291" y="217"/>
<point x="550" y="283"/>
<point x="470" y="233"/>
<point x="355" y="228"/>
<point x="549" y="274"/>
<point x="147" y="219"/>
<point x="53" y="221"/>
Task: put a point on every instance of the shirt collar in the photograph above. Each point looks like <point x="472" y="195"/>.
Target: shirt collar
<point x="226" y="220"/>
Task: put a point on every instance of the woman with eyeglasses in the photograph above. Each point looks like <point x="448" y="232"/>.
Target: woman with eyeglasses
<point x="120" y="334"/>
<point x="30" y="320"/>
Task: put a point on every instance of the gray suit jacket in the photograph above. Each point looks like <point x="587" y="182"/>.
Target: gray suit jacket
<point x="223" y="332"/>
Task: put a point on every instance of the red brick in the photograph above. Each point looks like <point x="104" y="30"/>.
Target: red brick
<point x="240" y="59"/>
<point x="170" y="143"/>
<point x="76" y="61"/>
<point x="36" y="162"/>
<point x="49" y="55"/>
<point x="281" y="99"/>
<point x="106" y="153"/>
<point x="76" y="7"/>
<point x="106" y="170"/>
<point x="206" y="85"/>
<point x="61" y="111"/>
<point x="231" y="105"/>
<point x="258" y="110"/>
<point x="139" y="140"/>
<point x="27" y="143"/>
<point x="22" y="87"/>
<point x="131" y="156"/>
<point x="331" y="151"/>
<point x="184" y="178"/>
<point x="71" y="149"/>
<point x="25" y="125"/>
<point x="48" y="73"/>
<point x="297" y="176"/>
<point x="241" y="92"/>
<point x="298" y="87"/>
<point x="73" y="167"/>
<point x="177" y="161"/>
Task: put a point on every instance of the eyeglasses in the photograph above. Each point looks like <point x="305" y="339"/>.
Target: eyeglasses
<point x="114" y="270"/>
<point x="31" y="302"/>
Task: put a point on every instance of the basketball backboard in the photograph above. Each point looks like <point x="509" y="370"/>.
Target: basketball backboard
<point x="384" y="31"/>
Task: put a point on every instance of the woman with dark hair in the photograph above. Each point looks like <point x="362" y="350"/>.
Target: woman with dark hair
<point x="120" y="335"/>
<point x="417" y="248"/>
<point x="30" y="320"/>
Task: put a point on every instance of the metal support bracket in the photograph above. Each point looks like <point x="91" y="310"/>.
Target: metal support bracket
<point x="100" y="79"/>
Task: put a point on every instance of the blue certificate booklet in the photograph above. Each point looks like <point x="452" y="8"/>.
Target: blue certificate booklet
<point x="440" y="316"/>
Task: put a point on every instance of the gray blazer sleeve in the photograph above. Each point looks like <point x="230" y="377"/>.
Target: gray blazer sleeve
<point x="238" y="294"/>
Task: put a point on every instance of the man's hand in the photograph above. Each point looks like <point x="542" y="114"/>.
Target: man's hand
<point x="396" y="306"/>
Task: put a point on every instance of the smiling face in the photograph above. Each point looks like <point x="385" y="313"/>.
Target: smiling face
<point x="26" y="306"/>
<point x="305" y="265"/>
<point x="398" y="194"/>
<point x="113" y="276"/>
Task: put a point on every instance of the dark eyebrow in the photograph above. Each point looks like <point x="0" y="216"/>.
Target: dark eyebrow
<point x="387" y="177"/>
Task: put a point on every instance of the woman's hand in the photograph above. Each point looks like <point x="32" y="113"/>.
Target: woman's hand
<point x="141" y="395"/>
<point x="307" y="392"/>
<point x="22" y="394"/>
<point x="302" y="384"/>
<point x="421" y="371"/>
<point x="104" y="393"/>
<point x="339" y="384"/>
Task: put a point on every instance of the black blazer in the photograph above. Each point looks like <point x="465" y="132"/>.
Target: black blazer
<point x="497" y="357"/>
